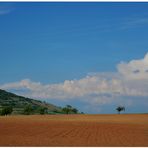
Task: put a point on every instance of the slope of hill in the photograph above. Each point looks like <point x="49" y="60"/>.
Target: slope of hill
<point x="18" y="103"/>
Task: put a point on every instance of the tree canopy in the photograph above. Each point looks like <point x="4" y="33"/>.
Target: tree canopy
<point x="68" y="109"/>
<point x="6" y="110"/>
<point x="120" y="108"/>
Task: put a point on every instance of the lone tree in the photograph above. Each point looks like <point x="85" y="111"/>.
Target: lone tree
<point x="6" y="111"/>
<point x="120" y="108"/>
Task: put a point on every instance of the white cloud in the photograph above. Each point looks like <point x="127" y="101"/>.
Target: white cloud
<point x="131" y="79"/>
<point x="135" y="69"/>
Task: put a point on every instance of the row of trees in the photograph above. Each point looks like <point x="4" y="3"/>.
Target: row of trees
<point x="68" y="109"/>
<point x="28" y="109"/>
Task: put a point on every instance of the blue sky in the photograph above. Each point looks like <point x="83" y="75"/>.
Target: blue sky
<point x="59" y="46"/>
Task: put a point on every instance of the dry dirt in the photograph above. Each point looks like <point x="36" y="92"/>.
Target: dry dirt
<point x="74" y="130"/>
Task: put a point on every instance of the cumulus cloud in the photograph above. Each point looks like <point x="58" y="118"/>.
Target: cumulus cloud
<point x="131" y="79"/>
<point x="135" y="69"/>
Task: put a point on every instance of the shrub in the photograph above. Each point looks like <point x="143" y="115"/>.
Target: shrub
<point x="28" y="110"/>
<point x="43" y="110"/>
<point x="6" y="110"/>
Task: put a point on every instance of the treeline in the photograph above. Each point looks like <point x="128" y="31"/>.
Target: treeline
<point x="30" y="110"/>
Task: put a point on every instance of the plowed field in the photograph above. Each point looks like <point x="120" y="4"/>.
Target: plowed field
<point x="74" y="130"/>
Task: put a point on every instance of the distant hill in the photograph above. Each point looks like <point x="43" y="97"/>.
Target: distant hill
<point x="19" y="102"/>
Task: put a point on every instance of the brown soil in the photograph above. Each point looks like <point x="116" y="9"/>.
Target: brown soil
<point x="74" y="130"/>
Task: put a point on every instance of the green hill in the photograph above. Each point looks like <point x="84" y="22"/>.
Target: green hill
<point x="18" y="103"/>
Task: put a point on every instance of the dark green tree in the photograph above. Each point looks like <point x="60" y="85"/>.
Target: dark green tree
<point x="28" y="110"/>
<point x="69" y="109"/>
<point x="43" y="110"/>
<point x="74" y="110"/>
<point x="65" y="110"/>
<point x="120" y="108"/>
<point x="6" y="110"/>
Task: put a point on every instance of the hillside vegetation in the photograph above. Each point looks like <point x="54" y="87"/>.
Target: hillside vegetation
<point x="19" y="103"/>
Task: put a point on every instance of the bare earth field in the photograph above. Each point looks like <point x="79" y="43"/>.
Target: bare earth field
<point x="74" y="130"/>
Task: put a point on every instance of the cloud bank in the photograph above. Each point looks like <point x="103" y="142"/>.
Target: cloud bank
<point x="130" y="79"/>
